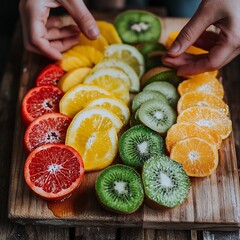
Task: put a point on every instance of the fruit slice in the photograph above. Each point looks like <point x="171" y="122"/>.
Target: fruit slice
<point x="128" y="54"/>
<point x="109" y="32"/>
<point x="192" y="50"/>
<point x="146" y="95"/>
<point x="76" y="98"/>
<point x="73" y="78"/>
<point x="50" y="75"/>
<point x="48" y="128"/>
<point x="100" y="43"/>
<point x="113" y="80"/>
<point x="207" y="85"/>
<point x="165" y="182"/>
<point x="157" y="115"/>
<point x="47" y="169"/>
<point x="138" y="26"/>
<point x="126" y="68"/>
<point x="119" y="189"/>
<point x="114" y="105"/>
<point x="161" y="74"/>
<point x="138" y="144"/>
<point x="197" y="156"/>
<point x="40" y="100"/>
<point x="212" y="74"/>
<point x="167" y="89"/>
<point x="207" y="117"/>
<point x="185" y="130"/>
<point x="93" y="133"/>
<point x="195" y="98"/>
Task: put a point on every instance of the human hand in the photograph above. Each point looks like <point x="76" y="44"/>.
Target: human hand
<point x="222" y="47"/>
<point x="45" y="35"/>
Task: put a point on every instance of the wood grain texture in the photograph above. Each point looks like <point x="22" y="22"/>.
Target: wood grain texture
<point x="213" y="202"/>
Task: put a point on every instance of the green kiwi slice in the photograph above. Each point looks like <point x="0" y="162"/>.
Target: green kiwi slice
<point x="146" y="95"/>
<point x="157" y="115"/>
<point x="138" y="26"/>
<point x="167" y="89"/>
<point x="138" y="144"/>
<point x="167" y="76"/>
<point x="119" y="189"/>
<point x="150" y="47"/>
<point x="165" y="182"/>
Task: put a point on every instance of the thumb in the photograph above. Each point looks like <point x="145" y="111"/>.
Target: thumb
<point x="82" y="17"/>
<point x="200" y="21"/>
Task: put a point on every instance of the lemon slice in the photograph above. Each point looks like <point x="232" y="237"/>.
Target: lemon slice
<point x="93" y="133"/>
<point x="126" y="68"/>
<point x="109" y="32"/>
<point x="113" y="80"/>
<point x="128" y="54"/>
<point x="114" y="105"/>
<point x="73" y="78"/>
<point x="76" y="98"/>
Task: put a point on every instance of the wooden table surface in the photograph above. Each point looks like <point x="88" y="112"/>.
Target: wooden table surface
<point x="8" y="98"/>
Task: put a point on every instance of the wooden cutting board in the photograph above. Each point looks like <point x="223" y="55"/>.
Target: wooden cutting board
<point x="213" y="202"/>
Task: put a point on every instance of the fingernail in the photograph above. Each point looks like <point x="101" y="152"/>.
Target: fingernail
<point x="174" y="48"/>
<point x="93" y="32"/>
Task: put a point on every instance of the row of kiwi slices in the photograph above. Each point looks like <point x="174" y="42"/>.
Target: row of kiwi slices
<point x="161" y="181"/>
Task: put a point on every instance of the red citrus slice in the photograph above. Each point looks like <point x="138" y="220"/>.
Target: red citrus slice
<point x="50" y="75"/>
<point x="53" y="171"/>
<point x="48" y="128"/>
<point x="40" y="100"/>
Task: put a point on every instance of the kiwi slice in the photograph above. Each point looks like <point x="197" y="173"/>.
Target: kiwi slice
<point x="145" y="96"/>
<point x="157" y="115"/>
<point x="165" y="182"/>
<point x="167" y="76"/>
<point x="119" y="189"/>
<point x="138" y="144"/>
<point x="138" y="26"/>
<point x="167" y="89"/>
<point x="151" y="47"/>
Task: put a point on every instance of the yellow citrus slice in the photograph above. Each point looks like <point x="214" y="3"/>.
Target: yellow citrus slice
<point x="93" y="133"/>
<point x="180" y="131"/>
<point x="100" y="43"/>
<point x="197" y="156"/>
<point x="76" y="98"/>
<point x="73" y="78"/>
<point x="109" y="32"/>
<point x="193" y="50"/>
<point x="128" y="54"/>
<point x="207" y="117"/>
<point x="195" y="98"/>
<point x="113" y="80"/>
<point x="126" y="68"/>
<point x="114" y="105"/>
<point x="202" y="84"/>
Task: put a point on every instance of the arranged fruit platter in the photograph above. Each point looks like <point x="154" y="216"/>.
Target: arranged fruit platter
<point x="109" y="136"/>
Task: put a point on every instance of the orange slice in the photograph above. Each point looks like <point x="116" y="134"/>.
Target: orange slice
<point x="93" y="133"/>
<point x="212" y="74"/>
<point x="206" y="84"/>
<point x="109" y="32"/>
<point x="185" y="130"/>
<point x="70" y="62"/>
<point x="76" y="98"/>
<point x="100" y="43"/>
<point x="192" y="50"/>
<point x="198" y="157"/>
<point x="195" y="98"/>
<point x="207" y="117"/>
<point x="73" y="78"/>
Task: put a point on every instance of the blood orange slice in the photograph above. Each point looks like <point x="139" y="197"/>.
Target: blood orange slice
<point x="53" y="171"/>
<point x="40" y="100"/>
<point x="48" y="128"/>
<point x="50" y="75"/>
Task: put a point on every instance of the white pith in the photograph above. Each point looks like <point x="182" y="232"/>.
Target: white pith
<point x="120" y="187"/>
<point x="165" y="180"/>
<point x="142" y="147"/>
<point x="193" y="156"/>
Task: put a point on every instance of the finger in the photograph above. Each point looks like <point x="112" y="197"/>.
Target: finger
<point x="201" y="20"/>
<point x="64" y="32"/>
<point x="82" y="17"/>
<point x="54" y="22"/>
<point x="64" y="44"/>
